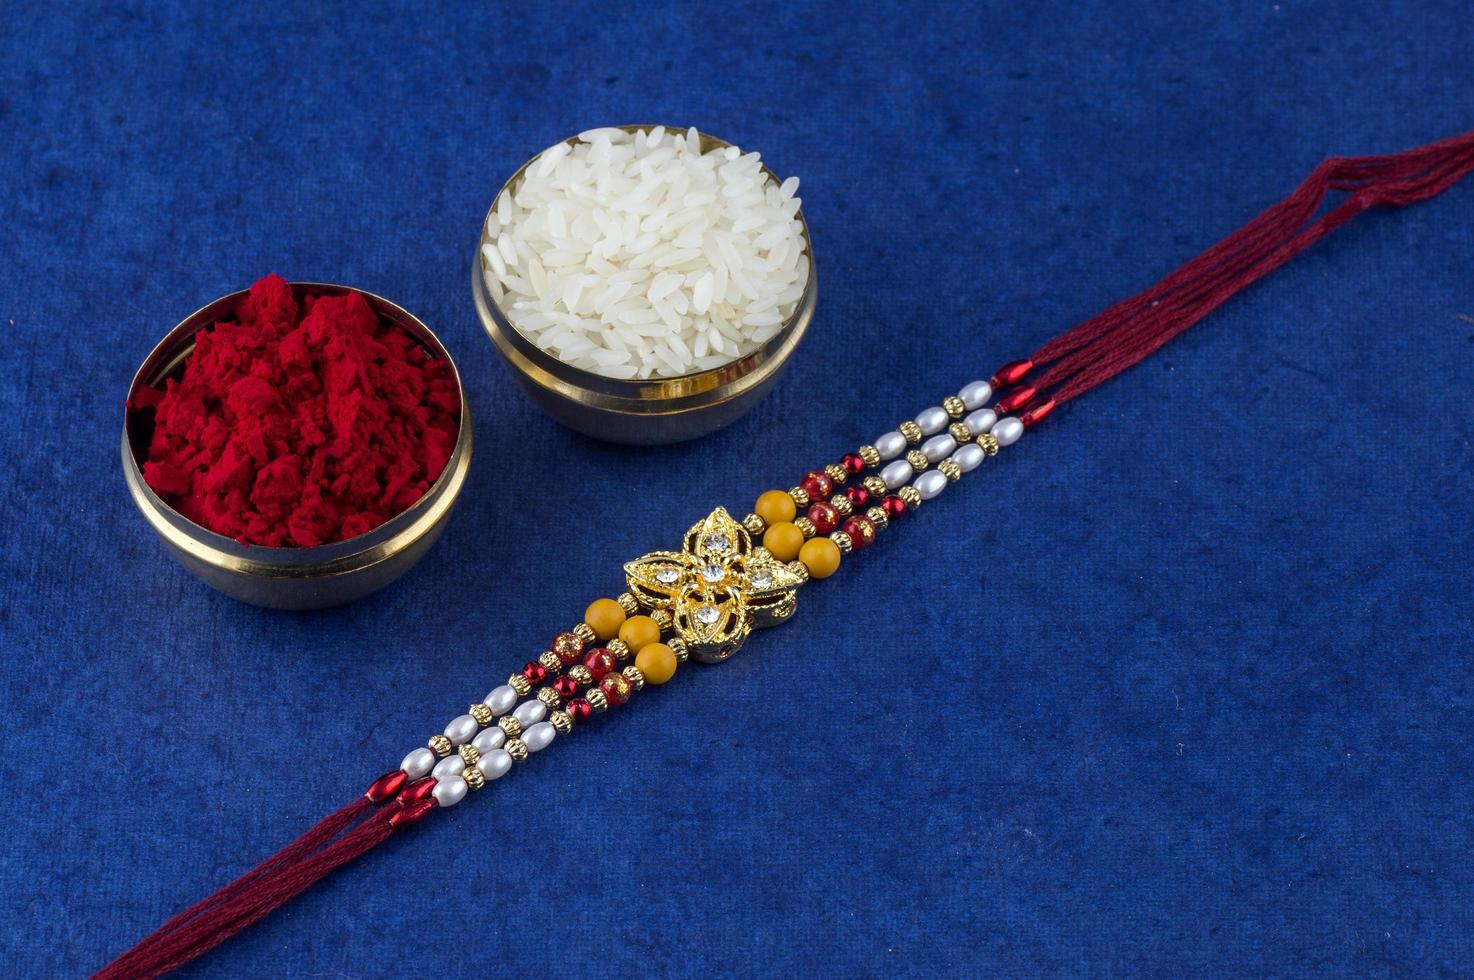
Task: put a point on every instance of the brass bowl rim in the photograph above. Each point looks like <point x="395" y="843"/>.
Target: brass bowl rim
<point x="646" y="396"/>
<point x="353" y="554"/>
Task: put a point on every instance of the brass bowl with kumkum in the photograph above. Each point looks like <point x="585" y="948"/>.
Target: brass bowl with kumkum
<point x="286" y="577"/>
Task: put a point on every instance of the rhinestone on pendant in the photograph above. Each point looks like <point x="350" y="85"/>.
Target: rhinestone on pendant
<point x="717" y="542"/>
<point x="706" y="615"/>
<point x="713" y="572"/>
<point x="668" y="576"/>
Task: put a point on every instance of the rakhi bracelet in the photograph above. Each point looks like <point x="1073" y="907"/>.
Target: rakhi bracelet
<point x="512" y="722"/>
<point x="706" y="598"/>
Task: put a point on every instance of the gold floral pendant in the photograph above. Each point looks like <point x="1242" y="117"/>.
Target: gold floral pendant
<point x="717" y="588"/>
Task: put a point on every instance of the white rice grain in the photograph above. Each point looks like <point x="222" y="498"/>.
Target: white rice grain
<point x="636" y="256"/>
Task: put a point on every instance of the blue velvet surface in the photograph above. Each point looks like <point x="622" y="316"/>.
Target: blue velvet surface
<point x="1179" y="687"/>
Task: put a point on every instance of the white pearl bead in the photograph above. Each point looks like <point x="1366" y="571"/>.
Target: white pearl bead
<point x="539" y="736"/>
<point x="488" y="739"/>
<point x="981" y="421"/>
<point x="890" y="445"/>
<point x="460" y="730"/>
<point x="417" y="763"/>
<point x="932" y="421"/>
<point x="529" y="713"/>
<point x="896" y="474"/>
<point x="494" y="764"/>
<point x="975" y="395"/>
<point x="450" y="792"/>
<point x="969" y="457"/>
<point x="449" y="767"/>
<point x="1007" y="431"/>
<point x="938" y="447"/>
<point x="931" y="484"/>
<point x="501" y="700"/>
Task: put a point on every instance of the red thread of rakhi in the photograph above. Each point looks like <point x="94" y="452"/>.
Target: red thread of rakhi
<point x="1127" y="332"/>
<point x="1066" y="367"/>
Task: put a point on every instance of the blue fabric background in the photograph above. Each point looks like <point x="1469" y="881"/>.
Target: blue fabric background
<point x="1181" y="688"/>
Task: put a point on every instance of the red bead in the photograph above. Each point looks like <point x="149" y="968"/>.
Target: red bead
<point x="566" y="686"/>
<point x="387" y="785"/>
<point x="411" y="815"/>
<point x="1015" y="400"/>
<point x="861" y="531"/>
<point x="857" y="495"/>
<point x="824" y="517"/>
<point x="599" y="662"/>
<point x="417" y="790"/>
<point x="616" y="688"/>
<point x="579" y="709"/>
<point x="535" y="672"/>
<point x="893" y="506"/>
<point x="1037" y="414"/>
<point x="1011" y="374"/>
<point x="817" y="485"/>
<point x="852" y="463"/>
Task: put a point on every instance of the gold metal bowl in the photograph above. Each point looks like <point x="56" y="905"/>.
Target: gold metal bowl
<point x="292" y="578"/>
<point x="641" y="412"/>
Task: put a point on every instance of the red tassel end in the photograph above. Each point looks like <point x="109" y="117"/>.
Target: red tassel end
<point x="1015" y="400"/>
<point x="1011" y="373"/>
<point x="387" y="786"/>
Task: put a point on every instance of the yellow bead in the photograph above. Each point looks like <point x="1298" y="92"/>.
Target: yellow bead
<point x="657" y="662"/>
<point x="783" y="540"/>
<point x="775" y="507"/>
<point x="639" y="632"/>
<point x="820" y="556"/>
<point x="605" y="617"/>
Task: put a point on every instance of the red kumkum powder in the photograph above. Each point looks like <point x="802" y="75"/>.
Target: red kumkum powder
<point x="300" y="426"/>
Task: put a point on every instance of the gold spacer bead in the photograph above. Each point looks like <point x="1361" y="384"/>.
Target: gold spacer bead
<point x="580" y="675"/>
<point x="911" y="431"/>
<point x="800" y="497"/>
<point x="549" y="697"/>
<point x="470" y="754"/>
<point x="878" y="517"/>
<point x="960" y="433"/>
<point x="561" y="721"/>
<point x="662" y="619"/>
<point x="619" y="648"/>
<point x="597" y="700"/>
<point x="870" y="455"/>
<point x="440" y="745"/>
<point x="550" y="661"/>
<point x="520" y="684"/>
<point x="628" y="603"/>
<point x="481" y="713"/>
<point x="876" y="486"/>
<point x="918" y="460"/>
<point x="954" y="406"/>
<point x="474" y="778"/>
<point x="950" y="467"/>
<point x="910" y="496"/>
<point x="805" y="525"/>
<point x="800" y="569"/>
<point x="842" y="540"/>
<point x="635" y="676"/>
<point x="510" y="725"/>
<point x="755" y="525"/>
<point x="585" y="633"/>
<point x="517" y="749"/>
<point x="989" y="442"/>
<point x="678" y="647"/>
<point x="836" y="473"/>
<point x="842" y="504"/>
